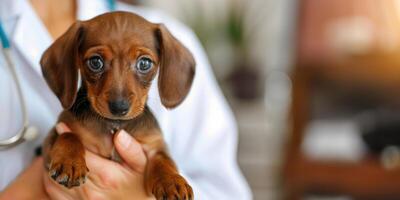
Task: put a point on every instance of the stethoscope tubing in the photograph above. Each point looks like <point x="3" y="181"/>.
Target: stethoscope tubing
<point x="26" y="132"/>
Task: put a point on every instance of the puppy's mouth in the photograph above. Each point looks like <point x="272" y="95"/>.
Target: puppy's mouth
<point x="114" y="114"/>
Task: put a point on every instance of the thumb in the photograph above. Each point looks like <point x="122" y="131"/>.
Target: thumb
<point x="130" y="150"/>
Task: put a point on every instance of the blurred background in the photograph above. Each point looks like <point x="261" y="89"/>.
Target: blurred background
<point x="314" y="87"/>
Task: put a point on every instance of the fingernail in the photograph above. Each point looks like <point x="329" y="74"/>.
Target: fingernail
<point x="61" y="128"/>
<point x="124" y="139"/>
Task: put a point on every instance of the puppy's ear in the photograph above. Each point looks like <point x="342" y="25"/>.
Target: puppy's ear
<point x="177" y="68"/>
<point x="60" y="65"/>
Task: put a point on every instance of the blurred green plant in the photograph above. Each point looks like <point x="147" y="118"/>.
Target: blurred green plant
<point x="232" y="27"/>
<point x="235" y="30"/>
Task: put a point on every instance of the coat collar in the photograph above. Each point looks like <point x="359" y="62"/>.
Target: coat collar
<point x="30" y="37"/>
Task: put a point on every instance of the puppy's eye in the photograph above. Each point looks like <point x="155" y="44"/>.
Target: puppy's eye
<point x="144" y="65"/>
<point x="95" y="63"/>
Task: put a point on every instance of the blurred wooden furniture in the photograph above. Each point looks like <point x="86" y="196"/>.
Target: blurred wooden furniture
<point x="353" y="46"/>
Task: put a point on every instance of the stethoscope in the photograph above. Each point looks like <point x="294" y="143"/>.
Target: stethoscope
<point x="26" y="132"/>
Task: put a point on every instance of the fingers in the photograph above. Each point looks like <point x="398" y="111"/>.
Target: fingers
<point x="59" y="192"/>
<point x="104" y="173"/>
<point x="61" y="128"/>
<point x="53" y="190"/>
<point x="96" y="163"/>
<point x="131" y="151"/>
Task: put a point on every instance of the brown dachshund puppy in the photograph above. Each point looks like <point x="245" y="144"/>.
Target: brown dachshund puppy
<point x="117" y="55"/>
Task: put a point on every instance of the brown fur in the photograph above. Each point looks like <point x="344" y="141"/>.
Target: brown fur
<point x="120" y="38"/>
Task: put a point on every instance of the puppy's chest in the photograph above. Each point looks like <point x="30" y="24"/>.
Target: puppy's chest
<point x="96" y="138"/>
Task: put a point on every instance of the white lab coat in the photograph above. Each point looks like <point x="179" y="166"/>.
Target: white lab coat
<point x="201" y="133"/>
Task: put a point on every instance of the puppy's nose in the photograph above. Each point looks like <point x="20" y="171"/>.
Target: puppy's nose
<point x="119" y="107"/>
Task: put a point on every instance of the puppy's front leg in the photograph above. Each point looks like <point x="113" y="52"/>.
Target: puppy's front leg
<point x="162" y="178"/>
<point x="65" y="159"/>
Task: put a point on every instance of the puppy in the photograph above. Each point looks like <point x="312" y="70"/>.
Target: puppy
<point x="117" y="56"/>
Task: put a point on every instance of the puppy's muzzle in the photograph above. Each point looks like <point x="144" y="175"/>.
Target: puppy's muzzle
<point x="119" y="107"/>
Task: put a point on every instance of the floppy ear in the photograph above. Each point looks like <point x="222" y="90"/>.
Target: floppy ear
<point x="60" y="65"/>
<point x="177" y="68"/>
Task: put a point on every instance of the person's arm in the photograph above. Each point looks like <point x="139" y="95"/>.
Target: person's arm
<point x="28" y="185"/>
<point x="204" y="135"/>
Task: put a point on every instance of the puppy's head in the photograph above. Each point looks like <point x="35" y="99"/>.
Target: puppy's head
<point x="118" y="55"/>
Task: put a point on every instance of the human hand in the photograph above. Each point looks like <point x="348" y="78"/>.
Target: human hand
<point x="107" y="179"/>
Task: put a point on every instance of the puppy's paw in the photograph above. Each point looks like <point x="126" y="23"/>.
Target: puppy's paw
<point x="69" y="172"/>
<point x="173" y="187"/>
